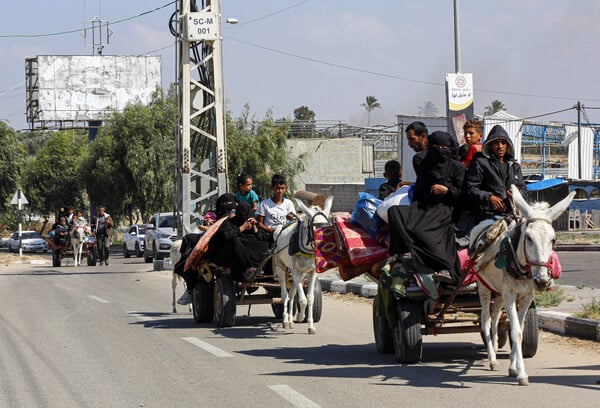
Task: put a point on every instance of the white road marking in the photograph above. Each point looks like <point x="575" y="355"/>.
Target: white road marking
<point x="207" y="347"/>
<point x="58" y="285"/>
<point x="292" y="396"/>
<point x="140" y="316"/>
<point x="98" y="299"/>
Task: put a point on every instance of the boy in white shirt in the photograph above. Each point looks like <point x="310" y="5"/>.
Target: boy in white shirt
<point x="276" y="210"/>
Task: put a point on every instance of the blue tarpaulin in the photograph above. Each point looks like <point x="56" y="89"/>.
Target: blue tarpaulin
<point x="541" y="185"/>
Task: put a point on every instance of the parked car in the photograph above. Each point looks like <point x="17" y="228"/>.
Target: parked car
<point x="31" y="241"/>
<point x="133" y="242"/>
<point x="160" y="233"/>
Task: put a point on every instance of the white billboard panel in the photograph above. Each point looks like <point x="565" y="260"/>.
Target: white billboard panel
<point x="83" y="88"/>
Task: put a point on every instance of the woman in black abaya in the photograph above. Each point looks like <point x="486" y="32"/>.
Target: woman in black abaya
<point x="237" y="245"/>
<point x="427" y="230"/>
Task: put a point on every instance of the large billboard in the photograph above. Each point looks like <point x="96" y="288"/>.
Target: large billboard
<point x="459" y="98"/>
<point x="87" y="88"/>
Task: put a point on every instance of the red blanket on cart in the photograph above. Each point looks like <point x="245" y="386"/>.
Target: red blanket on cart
<point x="361" y="247"/>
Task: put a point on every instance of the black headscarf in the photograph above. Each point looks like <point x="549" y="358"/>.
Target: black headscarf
<point x="225" y="203"/>
<point x="242" y="213"/>
<point x="437" y="161"/>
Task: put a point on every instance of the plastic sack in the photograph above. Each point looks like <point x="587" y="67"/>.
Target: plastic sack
<point x="398" y="197"/>
<point x="364" y="214"/>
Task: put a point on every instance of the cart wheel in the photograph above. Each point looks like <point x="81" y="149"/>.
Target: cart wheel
<point x="384" y="339"/>
<point x="503" y="337"/>
<point x="138" y="250"/>
<point x="530" y="333"/>
<point x="408" y="343"/>
<point x="317" y="304"/>
<point x="224" y="302"/>
<point x="91" y="258"/>
<point x="125" y="251"/>
<point x="203" y="301"/>
<point x="157" y="256"/>
<point x="56" y="257"/>
<point x="147" y="259"/>
<point x="277" y="309"/>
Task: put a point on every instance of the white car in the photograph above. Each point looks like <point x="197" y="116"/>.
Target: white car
<point x="133" y="242"/>
<point x="31" y="241"/>
<point x="160" y="233"/>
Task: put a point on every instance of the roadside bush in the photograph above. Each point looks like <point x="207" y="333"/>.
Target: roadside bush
<point x="547" y="299"/>
<point x="590" y="310"/>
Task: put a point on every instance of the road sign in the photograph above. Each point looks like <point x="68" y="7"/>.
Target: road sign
<point x="19" y="195"/>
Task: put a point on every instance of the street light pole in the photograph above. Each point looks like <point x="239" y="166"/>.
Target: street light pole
<point x="457" y="67"/>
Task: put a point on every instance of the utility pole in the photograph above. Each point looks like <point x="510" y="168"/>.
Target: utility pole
<point x="457" y="67"/>
<point x="200" y="140"/>
<point x="578" y="106"/>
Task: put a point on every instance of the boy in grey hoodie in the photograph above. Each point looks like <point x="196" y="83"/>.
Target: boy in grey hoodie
<point x="490" y="176"/>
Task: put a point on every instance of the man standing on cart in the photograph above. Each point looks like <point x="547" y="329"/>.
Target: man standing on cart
<point x="102" y="226"/>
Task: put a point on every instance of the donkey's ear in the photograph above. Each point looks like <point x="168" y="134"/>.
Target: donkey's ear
<point x="328" y="205"/>
<point x="300" y="204"/>
<point x="519" y="201"/>
<point x="557" y="209"/>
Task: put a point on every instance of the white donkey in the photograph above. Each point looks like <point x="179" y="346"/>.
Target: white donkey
<point x="300" y="266"/>
<point x="78" y="237"/>
<point x="527" y="245"/>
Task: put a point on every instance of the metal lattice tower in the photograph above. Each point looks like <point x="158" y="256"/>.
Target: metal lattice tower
<point x="200" y="139"/>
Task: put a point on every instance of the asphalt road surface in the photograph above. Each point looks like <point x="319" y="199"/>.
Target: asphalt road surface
<point x="105" y="337"/>
<point x="580" y="268"/>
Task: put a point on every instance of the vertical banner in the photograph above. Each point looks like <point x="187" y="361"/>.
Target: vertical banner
<point x="459" y="106"/>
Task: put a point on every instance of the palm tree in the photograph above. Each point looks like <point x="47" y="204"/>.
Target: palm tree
<point x="428" y="109"/>
<point x="495" y="106"/>
<point x="370" y="104"/>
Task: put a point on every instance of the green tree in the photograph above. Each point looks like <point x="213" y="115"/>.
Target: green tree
<point x="53" y="178"/>
<point x="370" y="104"/>
<point x="495" y="106"/>
<point x="304" y="122"/>
<point x="12" y="161"/>
<point x="428" y="109"/>
<point x="259" y="148"/>
<point x="34" y="140"/>
<point x="132" y="162"/>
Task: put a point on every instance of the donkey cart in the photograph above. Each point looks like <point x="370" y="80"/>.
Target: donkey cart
<point x="66" y="251"/>
<point x="400" y="324"/>
<point x="216" y="295"/>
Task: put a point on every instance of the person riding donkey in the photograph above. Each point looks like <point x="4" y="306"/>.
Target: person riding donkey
<point x="61" y="232"/>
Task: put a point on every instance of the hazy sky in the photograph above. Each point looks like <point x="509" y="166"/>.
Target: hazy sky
<point x="536" y="56"/>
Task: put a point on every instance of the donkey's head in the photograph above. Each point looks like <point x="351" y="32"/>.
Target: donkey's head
<point x="537" y="235"/>
<point x="316" y="215"/>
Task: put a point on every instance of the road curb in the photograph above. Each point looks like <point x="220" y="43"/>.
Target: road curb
<point x="556" y="322"/>
<point x="564" y="323"/>
<point x="577" y="248"/>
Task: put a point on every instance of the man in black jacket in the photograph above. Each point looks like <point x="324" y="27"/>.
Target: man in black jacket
<point x="490" y="176"/>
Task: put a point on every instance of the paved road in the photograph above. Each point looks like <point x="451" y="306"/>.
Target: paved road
<point x="580" y="268"/>
<point x="106" y="337"/>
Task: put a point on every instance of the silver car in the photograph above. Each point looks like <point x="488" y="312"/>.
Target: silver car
<point x="31" y="241"/>
<point x="133" y="242"/>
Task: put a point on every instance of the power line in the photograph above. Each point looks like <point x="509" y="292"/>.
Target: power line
<point x="267" y="16"/>
<point x="404" y="78"/>
<point x="334" y="64"/>
<point x="85" y="29"/>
